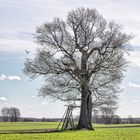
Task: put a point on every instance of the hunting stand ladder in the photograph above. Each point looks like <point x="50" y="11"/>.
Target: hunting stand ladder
<point x="67" y="121"/>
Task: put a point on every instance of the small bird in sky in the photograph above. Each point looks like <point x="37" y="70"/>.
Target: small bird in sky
<point x="27" y="51"/>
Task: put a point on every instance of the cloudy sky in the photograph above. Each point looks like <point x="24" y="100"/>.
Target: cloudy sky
<point x="18" y="22"/>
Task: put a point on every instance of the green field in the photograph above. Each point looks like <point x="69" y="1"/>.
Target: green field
<point x="102" y="132"/>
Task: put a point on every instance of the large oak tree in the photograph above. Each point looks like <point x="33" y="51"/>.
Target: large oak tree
<point x="81" y="58"/>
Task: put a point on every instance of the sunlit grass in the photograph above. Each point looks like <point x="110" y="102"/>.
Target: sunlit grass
<point x="99" y="133"/>
<point x="27" y="125"/>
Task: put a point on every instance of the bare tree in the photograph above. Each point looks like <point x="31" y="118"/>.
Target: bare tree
<point x="130" y="119"/>
<point x="14" y="114"/>
<point x="5" y="113"/>
<point x="106" y="108"/>
<point x="108" y="112"/>
<point x="80" y="58"/>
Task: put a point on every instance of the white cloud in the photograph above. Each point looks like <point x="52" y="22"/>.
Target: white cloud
<point x="30" y="107"/>
<point x="2" y="77"/>
<point x="7" y="104"/>
<point x="133" y="85"/>
<point x="123" y="86"/>
<point x="135" y="101"/>
<point x="134" y="58"/>
<point x="16" y="45"/>
<point x="11" y="78"/>
<point x="39" y="11"/>
<point x="34" y="97"/>
<point x="121" y="109"/>
<point x="44" y="103"/>
<point x="3" y="99"/>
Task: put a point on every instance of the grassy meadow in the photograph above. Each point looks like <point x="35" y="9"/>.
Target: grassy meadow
<point x="11" y="131"/>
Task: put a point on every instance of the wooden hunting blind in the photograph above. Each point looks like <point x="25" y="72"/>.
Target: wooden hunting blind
<point x="67" y="121"/>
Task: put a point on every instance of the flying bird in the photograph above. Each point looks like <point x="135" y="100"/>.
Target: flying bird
<point x="27" y="51"/>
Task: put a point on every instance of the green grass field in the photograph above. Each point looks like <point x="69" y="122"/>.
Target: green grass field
<point x="102" y="132"/>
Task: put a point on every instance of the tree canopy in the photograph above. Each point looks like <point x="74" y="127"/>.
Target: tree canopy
<point x="81" y="58"/>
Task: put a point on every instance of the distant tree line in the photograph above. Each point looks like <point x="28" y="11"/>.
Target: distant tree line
<point x="10" y="114"/>
<point x="103" y="115"/>
<point x="102" y="119"/>
<point x="114" y="119"/>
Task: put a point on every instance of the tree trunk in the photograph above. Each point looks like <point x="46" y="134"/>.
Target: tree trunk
<point x="86" y="111"/>
<point x="89" y="108"/>
<point x="86" y="100"/>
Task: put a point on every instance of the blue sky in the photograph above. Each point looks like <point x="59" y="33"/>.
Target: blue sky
<point x="18" y="21"/>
